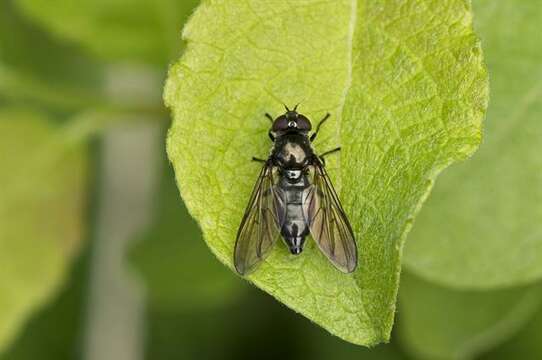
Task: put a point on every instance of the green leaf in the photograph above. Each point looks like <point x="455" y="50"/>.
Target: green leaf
<point x="441" y="323"/>
<point x="64" y="314"/>
<point x="174" y="263"/>
<point x="34" y="67"/>
<point x="407" y="89"/>
<point x="132" y="30"/>
<point x="42" y="183"/>
<point x="481" y="228"/>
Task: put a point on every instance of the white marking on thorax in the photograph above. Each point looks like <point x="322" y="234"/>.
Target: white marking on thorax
<point x="295" y="150"/>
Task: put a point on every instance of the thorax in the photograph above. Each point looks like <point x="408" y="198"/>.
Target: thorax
<point x="292" y="151"/>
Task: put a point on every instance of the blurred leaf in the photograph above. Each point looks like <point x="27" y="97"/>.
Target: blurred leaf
<point x="35" y="67"/>
<point x="482" y="227"/>
<point x="441" y="323"/>
<point x="414" y="92"/>
<point x="42" y="187"/>
<point x="241" y="329"/>
<point x="176" y="266"/>
<point x="525" y="345"/>
<point x="232" y="333"/>
<point x="129" y="30"/>
<point x="237" y="331"/>
<point x="54" y="333"/>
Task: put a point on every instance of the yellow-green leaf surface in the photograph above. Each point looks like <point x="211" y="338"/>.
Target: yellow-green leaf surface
<point x="482" y="227"/>
<point x="407" y="90"/>
<point x="41" y="204"/>
<point x="133" y="30"/>
<point x="441" y="323"/>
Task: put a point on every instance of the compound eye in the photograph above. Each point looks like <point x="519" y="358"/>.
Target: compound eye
<point x="303" y="123"/>
<point x="280" y="124"/>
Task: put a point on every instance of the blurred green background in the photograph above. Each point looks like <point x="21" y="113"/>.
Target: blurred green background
<point x="100" y="259"/>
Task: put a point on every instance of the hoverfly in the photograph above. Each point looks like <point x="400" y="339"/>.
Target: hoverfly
<point x="293" y="197"/>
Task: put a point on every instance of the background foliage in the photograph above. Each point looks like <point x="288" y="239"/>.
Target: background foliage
<point x="73" y="75"/>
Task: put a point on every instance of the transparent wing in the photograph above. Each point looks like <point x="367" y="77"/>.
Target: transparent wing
<point x="328" y="223"/>
<point x="259" y="228"/>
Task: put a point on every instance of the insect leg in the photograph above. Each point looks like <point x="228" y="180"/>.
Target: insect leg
<point x="258" y="159"/>
<point x="271" y="136"/>
<point x="329" y="153"/>
<point x="269" y="117"/>
<point x="313" y="136"/>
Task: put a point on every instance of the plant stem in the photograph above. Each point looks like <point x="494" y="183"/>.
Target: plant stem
<point x="115" y="326"/>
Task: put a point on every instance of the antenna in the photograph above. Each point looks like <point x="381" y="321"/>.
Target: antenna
<point x="295" y="108"/>
<point x="286" y="107"/>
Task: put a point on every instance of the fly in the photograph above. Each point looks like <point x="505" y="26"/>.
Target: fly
<point x="293" y="197"/>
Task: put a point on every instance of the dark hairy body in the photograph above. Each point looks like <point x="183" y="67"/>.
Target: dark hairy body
<point x="293" y="197"/>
